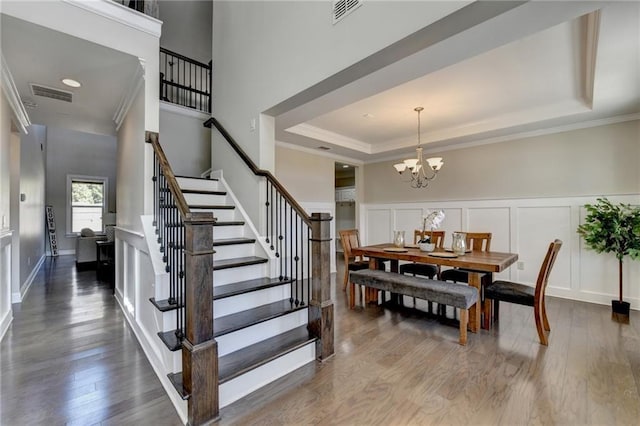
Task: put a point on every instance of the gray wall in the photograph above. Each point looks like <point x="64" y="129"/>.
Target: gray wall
<point x="70" y="152"/>
<point x="5" y="145"/>
<point x="32" y="185"/>
<point x="592" y="161"/>
<point x="186" y="28"/>
<point x="185" y="141"/>
<point x="308" y="177"/>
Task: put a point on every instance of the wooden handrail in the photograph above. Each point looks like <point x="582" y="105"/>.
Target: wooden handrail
<point x="184" y="58"/>
<point x="259" y="172"/>
<point x="181" y="203"/>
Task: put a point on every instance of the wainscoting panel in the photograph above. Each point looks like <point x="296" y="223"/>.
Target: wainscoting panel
<point x="525" y="226"/>
<point x="407" y="220"/>
<point x="537" y="227"/>
<point x="377" y="226"/>
<point x="494" y="220"/>
<point x="6" y="312"/>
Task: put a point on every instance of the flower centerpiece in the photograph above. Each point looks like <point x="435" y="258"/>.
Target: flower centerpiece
<point x="431" y="220"/>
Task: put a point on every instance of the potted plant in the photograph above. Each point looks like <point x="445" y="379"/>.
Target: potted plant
<point x="610" y="228"/>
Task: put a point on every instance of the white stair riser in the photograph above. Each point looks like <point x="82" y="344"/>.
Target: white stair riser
<point x="234" y="275"/>
<point x="234" y="251"/>
<point x="222" y="215"/>
<point x="198" y="184"/>
<point x="248" y="336"/>
<point x="231" y="231"/>
<point x="206" y="199"/>
<point x="245" y="384"/>
<point x="242" y="302"/>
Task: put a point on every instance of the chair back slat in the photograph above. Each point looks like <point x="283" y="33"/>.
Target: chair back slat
<point x="545" y="268"/>
<point x="350" y="238"/>
<point x="437" y="237"/>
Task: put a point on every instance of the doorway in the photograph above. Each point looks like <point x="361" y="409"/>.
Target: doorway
<point x="345" y="185"/>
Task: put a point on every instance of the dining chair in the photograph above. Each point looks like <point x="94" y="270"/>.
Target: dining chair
<point x="521" y="294"/>
<point x="476" y="241"/>
<point x="424" y="269"/>
<point x="350" y="238"/>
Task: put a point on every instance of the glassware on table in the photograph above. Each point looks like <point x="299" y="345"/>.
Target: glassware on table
<point x="459" y="245"/>
<point x="398" y="239"/>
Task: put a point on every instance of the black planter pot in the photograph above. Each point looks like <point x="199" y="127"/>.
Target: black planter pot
<point x="620" y="311"/>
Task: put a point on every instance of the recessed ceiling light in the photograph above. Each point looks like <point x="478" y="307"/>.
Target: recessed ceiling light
<point x="345" y="166"/>
<point x="71" y="82"/>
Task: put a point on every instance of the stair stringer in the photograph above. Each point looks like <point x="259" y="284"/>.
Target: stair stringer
<point x="260" y="239"/>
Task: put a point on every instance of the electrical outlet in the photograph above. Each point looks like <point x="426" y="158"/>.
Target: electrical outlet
<point x="520" y="266"/>
<point x="252" y="125"/>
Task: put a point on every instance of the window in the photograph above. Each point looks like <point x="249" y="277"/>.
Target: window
<point x="87" y="202"/>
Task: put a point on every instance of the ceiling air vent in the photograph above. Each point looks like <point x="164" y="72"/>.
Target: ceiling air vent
<point x="342" y="8"/>
<point x="50" y="92"/>
<point x="324" y="148"/>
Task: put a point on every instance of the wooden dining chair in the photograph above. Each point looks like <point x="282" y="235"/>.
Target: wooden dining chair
<point x="350" y="238"/>
<point x="522" y="294"/>
<point x="424" y="269"/>
<point x="476" y="241"/>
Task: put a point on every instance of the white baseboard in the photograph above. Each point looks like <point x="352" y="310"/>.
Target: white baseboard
<point x="5" y="323"/>
<point x="24" y="288"/>
<point x="156" y="364"/>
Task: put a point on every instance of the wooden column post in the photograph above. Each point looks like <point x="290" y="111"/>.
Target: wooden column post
<point x="321" y="305"/>
<point x="199" y="349"/>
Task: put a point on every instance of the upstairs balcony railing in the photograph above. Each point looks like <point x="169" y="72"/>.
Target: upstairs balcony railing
<point x="148" y="7"/>
<point x="185" y="81"/>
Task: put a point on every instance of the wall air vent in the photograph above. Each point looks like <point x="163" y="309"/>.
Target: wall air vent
<point x="324" y="148"/>
<point x="50" y="92"/>
<point x="342" y="8"/>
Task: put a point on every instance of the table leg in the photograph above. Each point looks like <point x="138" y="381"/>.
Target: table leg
<point x="475" y="280"/>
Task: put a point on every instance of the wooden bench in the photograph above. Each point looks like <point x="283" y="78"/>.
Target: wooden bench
<point x="451" y="294"/>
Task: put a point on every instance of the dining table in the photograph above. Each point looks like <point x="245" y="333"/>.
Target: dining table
<point x="476" y="263"/>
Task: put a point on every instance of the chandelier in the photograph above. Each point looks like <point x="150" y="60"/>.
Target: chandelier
<point x="421" y="174"/>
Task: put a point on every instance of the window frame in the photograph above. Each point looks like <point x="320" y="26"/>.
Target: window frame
<point x="85" y="179"/>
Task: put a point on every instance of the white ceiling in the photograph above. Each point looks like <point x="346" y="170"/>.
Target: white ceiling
<point x="583" y="69"/>
<point x="39" y="55"/>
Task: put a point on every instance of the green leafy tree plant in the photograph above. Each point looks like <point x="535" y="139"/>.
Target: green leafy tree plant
<point x="610" y="228"/>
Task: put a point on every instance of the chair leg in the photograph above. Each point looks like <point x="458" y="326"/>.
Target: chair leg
<point x="352" y="295"/>
<point x="541" y="334"/>
<point x="487" y="314"/>
<point x="346" y="278"/>
<point x="464" y="316"/>
<point x="496" y="310"/>
<point x="545" y="320"/>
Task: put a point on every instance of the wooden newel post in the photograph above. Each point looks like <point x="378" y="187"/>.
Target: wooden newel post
<point x="321" y="305"/>
<point x="199" y="349"/>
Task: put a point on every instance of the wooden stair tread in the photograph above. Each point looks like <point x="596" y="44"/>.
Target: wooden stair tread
<point x="244" y="319"/>
<point x="217" y="223"/>
<point x="211" y="207"/>
<point x="238" y="262"/>
<point x="237" y="363"/>
<point x="163" y="305"/>
<point x="233" y="241"/>
<point x="203" y="191"/>
<point x="248" y="286"/>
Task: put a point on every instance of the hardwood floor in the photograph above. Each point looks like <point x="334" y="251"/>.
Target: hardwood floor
<point x="63" y="362"/>
<point x="400" y="368"/>
<point x="70" y="358"/>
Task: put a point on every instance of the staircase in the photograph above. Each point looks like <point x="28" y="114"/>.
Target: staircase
<point x="264" y="324"/>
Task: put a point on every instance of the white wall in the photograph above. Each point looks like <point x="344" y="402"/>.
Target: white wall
<point x="185" y="141"/>
<point x="524" y="226"/>
<point x="307" y="177"/>
<point x="32" y="224"/>
<point x="6" y="313"/>
<point x="130" y="166"/>
<point x="70" y="152"/>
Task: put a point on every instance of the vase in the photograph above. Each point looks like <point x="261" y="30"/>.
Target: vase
<point x="459" y="245"/>
<point x="398" y="239"/>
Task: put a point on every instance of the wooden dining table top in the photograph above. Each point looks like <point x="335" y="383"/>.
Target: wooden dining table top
<point x="487" y="261"/>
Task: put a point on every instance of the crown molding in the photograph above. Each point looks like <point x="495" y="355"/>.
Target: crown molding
<point x="13" y="97"/>
<point x="121" y="14"/>
<point x="135" y="85"/>
<point x="323" y="135"/>
<point x="311" y="151"/>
